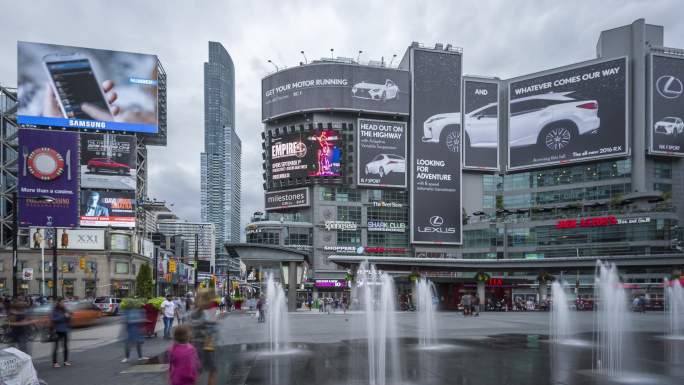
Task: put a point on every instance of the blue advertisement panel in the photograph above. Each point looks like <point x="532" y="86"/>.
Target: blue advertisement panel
<point x="48" y="167"/>
<point x="86" y="89"/>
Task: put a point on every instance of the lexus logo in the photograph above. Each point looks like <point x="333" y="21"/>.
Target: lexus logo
<point x="669" y="87"/>
<point x="436" y="220"/>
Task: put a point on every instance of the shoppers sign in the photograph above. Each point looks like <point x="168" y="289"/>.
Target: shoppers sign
<point x="108" y="161"/>
<point x="69" y="239"/>
<point x="666" y="118"/>
<point x="436" y="143"/>
<point x="344" y="249"/>
<point x="341" y="225"/>
<point x="306" y="154"/>
<point x="108" y="208"/>
<point x="481" y="124"/>
<point x="89" y="89"/>
<point x="276" y="200"/>
<point x="381" y="148"/>
<point x="48" y="167"/>
<point x="391" y="227"/>
<point x="335" y="86"/>
<point x="571" y="115"/>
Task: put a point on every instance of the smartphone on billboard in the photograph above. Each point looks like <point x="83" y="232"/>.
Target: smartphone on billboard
<point x="74" y="83"/>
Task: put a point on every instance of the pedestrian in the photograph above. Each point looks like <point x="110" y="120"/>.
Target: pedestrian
<point x="19" y="325"/>
<point x="344" y="305"/>
<point x="180" y="311"/>
<point x="229" y="303"/>
<point x="476" y="305"/>
<point x="184" y="363"/>
<point x="203" y="321"/>
<point x="60" y="318"/>
<point x="135" y="319"/>
<point x="260" y="310"/>
<point x="466" y="304"/>
<point x="169" y="313"/>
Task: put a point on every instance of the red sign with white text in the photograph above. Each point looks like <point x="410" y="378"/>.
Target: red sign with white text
<point x="587" y="222"/>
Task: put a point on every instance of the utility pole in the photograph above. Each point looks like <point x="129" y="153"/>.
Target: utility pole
<point x="54" y="263"/>
<point x="15" y="252"/>
<point x="196" y="259"/>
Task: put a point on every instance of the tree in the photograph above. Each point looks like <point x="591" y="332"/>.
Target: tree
<point x="143" y="282"/>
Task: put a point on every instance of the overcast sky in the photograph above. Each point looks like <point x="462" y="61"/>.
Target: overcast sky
<point x="499" y="38"/>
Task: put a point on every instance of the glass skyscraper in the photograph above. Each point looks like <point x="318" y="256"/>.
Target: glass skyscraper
<point x="221" y="185"/>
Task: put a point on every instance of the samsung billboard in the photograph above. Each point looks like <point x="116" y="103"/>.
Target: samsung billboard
<point x="569" y="115"/>
<point x="86" y="89"/>
<point x="666" y="117"/>
<point x="306" y="154"/>
<point x="381" y="148"/>
<point x="436" y="147"/>
<point x="335" y="86"/>
<point x="481" y="124"/>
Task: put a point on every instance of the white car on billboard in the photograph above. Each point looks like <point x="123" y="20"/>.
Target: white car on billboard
<point x="375" y="91"/>
<point x="551" y="120"/>
<point x="384" y="164"/>
<point x="670" y="125"/>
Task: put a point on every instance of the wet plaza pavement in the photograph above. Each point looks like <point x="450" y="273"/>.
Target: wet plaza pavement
<point x="496" y="348"/>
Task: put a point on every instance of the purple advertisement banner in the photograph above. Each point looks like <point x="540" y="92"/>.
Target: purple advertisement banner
<point x="48" y="167"/>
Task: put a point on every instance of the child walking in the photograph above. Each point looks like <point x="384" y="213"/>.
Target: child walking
<point x="184" y="363"/>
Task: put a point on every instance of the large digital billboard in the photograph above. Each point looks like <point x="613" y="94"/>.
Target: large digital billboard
<point x="666" y="122"/>
<point x="381" y="148"/>
<point x="306" y="154"/>
<point x="108" y="161"/>
<point x="569" y="115"/>
<point x="46" y="169"/>
<point x="86" y="89"/>
<point x="481" y="124"/>
<point x="107" y="208"/>
<point x="335" y="86"/>
<point x="287" y="199"/>
<point x="436" y="147"/>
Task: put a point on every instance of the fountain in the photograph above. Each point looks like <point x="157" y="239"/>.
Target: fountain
<point x="377" y="295"/>
<point x="426" y="312"/>
<point x="675" y="308"/>
<point x="610" y="321"/>
<point x="276" y="315"/>
<point x="561" y="325"/>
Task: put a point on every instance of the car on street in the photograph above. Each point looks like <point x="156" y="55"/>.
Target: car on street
<point x="552" y="121"/>
<point x="375" y="91"/>
<point x="108" y="305"/>
<point x="383" y="164"/>
<point x="670" y="125"/>
<point x="83" y="313"/>
<point x="107" y="165"/>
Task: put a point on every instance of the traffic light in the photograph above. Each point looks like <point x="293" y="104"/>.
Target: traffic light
<point x="172" y="266"/>
<point x="65" y="268"/>
<point x="82" y="263"/>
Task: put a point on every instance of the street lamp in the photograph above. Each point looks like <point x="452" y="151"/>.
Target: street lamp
<point x="274" y="64"/>
<point x="15" y="236"/>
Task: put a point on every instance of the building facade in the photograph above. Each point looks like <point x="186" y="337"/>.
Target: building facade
<point x="196" y="235"/>
<point x="520" y="225"/>
<point x="220" y="161"/>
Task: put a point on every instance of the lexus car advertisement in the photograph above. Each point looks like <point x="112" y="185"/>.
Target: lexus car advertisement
<point x="481" y="124"/>
<point x="306" y="154"/>
<point x="107" y="208"/>
<point x="571" y="115"/>
<point x="83" y="88"/>
<point x="381" y="151"/>
<point x="667" y="105"/>
<point x="287" y="199"/>
<point x="108" y="161"/>
<point x="436" y="156"/>
<point x="335" y="86"/>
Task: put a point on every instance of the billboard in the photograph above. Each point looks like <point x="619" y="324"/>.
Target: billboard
<point x="570" y="115"/>
<point x="46" y="169"/>
<point x="68" y="239"/>
<point x="285" y="199"/>
<point x="108" y="161"/>
<point x="101" y="208"/>
<point x="481" y="124"/>
<point x="335" y="86"/>
<point x="381" y="148"/>
<point x="306" y="154"/>
<point x="666" y="117"/>
<point x="436" y="147"/>
<point x="86" y="89"/>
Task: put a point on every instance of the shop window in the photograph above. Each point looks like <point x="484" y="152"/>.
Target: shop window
<point x="121" y="268"/>
<point x="68" y="288"/>
<point x="349" y="238"/>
